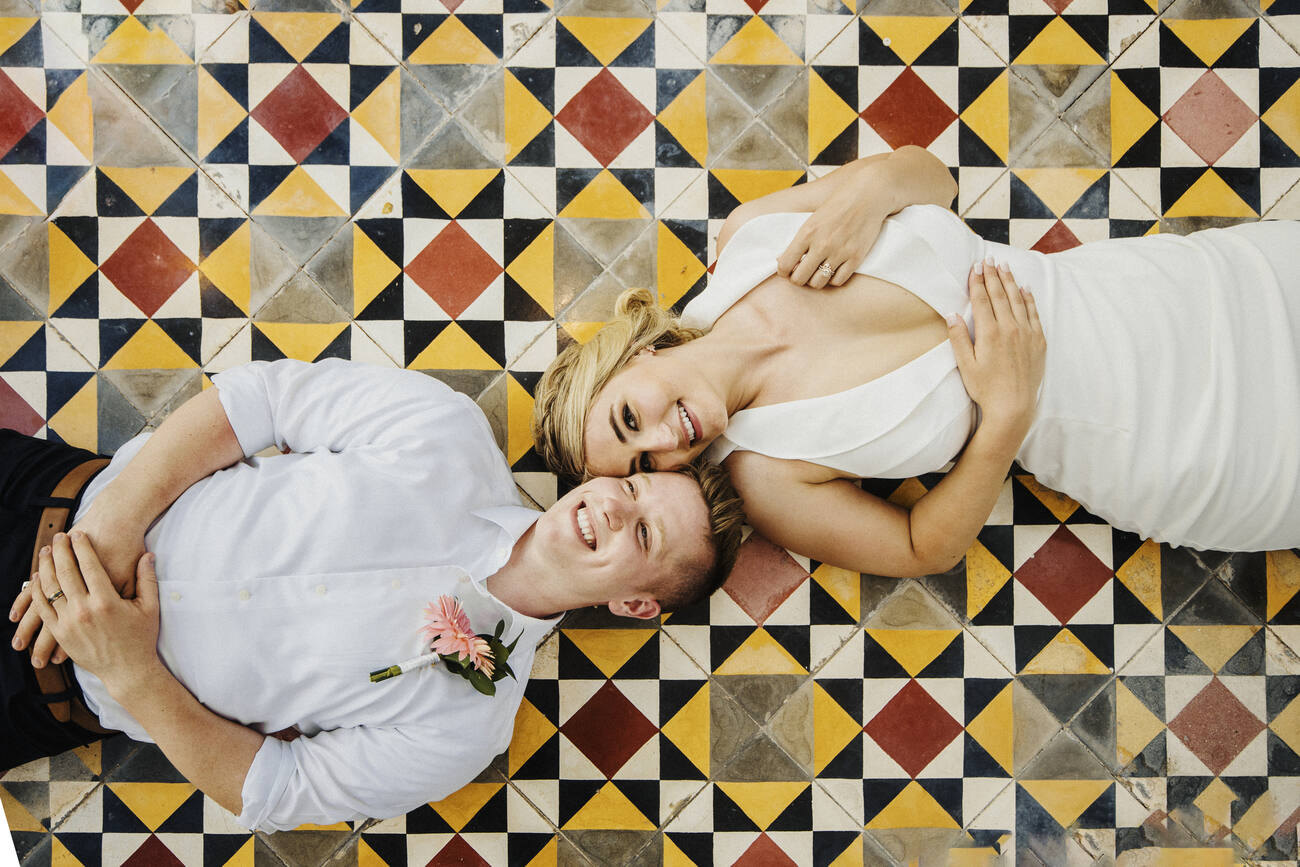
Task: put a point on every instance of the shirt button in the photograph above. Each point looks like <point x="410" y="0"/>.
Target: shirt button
<point x="244" y="595"/>
<point x="320" y="589"/>
<point x="176" y="597"/>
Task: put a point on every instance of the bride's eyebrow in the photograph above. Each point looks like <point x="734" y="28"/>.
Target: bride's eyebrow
<point x="614" y="426"/>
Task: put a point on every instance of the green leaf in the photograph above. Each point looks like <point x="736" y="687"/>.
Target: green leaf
<point x="501" y="627"/>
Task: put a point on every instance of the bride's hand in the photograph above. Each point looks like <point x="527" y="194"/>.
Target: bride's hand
<point x="839" y="234"/>
<point x="1002" y="369"/>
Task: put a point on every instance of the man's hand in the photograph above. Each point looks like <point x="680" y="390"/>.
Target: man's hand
<point x="115" y="639"/>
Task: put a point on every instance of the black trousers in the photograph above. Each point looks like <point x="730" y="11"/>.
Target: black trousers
<point x="29" y="470"/>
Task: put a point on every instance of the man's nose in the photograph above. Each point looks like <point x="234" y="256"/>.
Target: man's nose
<point x="617" y="510"/>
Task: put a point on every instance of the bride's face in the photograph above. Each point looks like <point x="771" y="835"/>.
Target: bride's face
<point x="655" y="414"/>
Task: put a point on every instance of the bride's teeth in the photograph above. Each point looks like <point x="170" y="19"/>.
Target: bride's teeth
<point x="584" y="524"/>
<point x="691" y="434"/>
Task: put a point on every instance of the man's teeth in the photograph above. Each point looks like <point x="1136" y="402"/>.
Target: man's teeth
<point x="691" y="433"/>
<point x="584" y="524"/>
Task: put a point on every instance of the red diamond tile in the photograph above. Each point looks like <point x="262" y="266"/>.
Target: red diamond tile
<point x="764" y="576"/>
<point x="153" y="853"/>
<point x="909" y="112"/>
<point x="131" y="5"/>
<point x="18" y="114"/>
<point x="147" y="267"/>
<point x="913" y="728"/>
<point x="17" y="413"/>
<point x="608" y="729"/>
<point x="1058" y="6"/>
<point x="1216" y="726"/>
<point x="1063" y="574"/>
<point x="1056" y="239"/>
<point x="764" y="853"/>
<point x="1210" y="117"/>
<point x="756" y="5"/>
<point x="452" y="5"/>
<point x="458" y="853"/>
<point x="299" y="113"/>
<point x="453" y="269"/>
<point x="604" y="117"/>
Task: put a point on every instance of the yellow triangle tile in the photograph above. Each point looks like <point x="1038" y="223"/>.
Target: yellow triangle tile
<point x="1262" y="819"/>
<point x="994" y="730"/>
<point x="152" y="803"/>
<point x="674" y="856"/>
<point x="13" y="29"/>
<point x="972" y="856"/>
<point x="532" y="731"/>
<point x="298" y="32"/>
<point x="1283" y="117"/>
<point x="452" y="42"/>
<point x="14" y="335"/>
<point x="909" y="35"/>
<point x="1057" y="503"/>
<point x="227" y="267"/>
<point x="14" y="201"/>
<point x="519" y="413"/>
<point x="985" y="576"/>
<point x="245" y="855"/>
<point x="989" y="116"/>
<point x="77" y="422"/>
<point x="1065" y="800"/>
<point x="299" y="196"/>
<point x="1135" y="725"/>
<point x="760" y="654"/>
<point x="69" y="268"/>
<point x="605" y="38"/>
<point x="372" y="270"/>
<point x="1059" y="189"/>
<point x="380" y="114"/>
<point x="913" y="807"/>
<point x="133" y="43"/>
<point x="453" y="349"/>
<point x="534" y="269"/>
<point x="1065" y="654"/>
<point x="609" y="810"/>
<point x="72" y="115"/>
<point x="61" y="857"/>
<point x="914" y="648"/>
<point x="756" y="43"/>
<point x="843" y="586"/>
<point x="1141" y="575"/>
<point x="150" y="349"/>
<point x="525" y="116"/>
<point x="1214" y="645"/>
<point x="148" y="186"/>
<point x="461" y="806"/>
<point x="677" y="268"/>
<point x="1208" y="38"/>
<point x="687" y="119"/>
<point x="605" y="198"/>
<point x="1286" y="725"/>
<point x="907" y="493"/>
<point x="20" y="818"/>
<point x="303" y="341"/>
<point x="747" y="184"/>
<point x="689" y="729"/>
<point x="1282" y="578"/>
<point x="219" y="112"/>
<point x="91" y="755"/>
<point x="1057" y="44"/>
<point x="312" y="826"/>
<point x="1215" y="804"/>
<point x="549" y="856"/>
<point x="581" y="332"/>
<point x="833" y="729"/>
<point x="1210" y="197"/>
<point x="453" y="189"/>
<point x="851" y="856"/>
<point x="1130" y="119"/>
<point x="828" y="115"/>
<point x="609" y="649"/>
<point x="763" y="802"/>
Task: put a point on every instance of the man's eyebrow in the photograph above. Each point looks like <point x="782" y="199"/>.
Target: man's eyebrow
<point x="614" y="425"/>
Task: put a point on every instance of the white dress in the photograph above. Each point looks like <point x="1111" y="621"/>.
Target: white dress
<point x="1170" y="405"/>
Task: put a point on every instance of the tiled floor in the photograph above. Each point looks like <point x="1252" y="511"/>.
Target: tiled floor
<point x="460" y="185"/>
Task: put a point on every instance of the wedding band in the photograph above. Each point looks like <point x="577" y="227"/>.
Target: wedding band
<point x="823" y="268"/>
<point x="58" y="594"/>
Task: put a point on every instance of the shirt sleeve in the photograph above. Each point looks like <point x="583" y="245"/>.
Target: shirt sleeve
<point x="331" y="405"/>
<point x="357" y="773"/>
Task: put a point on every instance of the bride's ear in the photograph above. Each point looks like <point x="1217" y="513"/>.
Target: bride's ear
<point x="648" y="350"/>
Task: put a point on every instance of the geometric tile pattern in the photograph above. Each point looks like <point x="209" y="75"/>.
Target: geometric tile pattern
<point x="462" y="187"/>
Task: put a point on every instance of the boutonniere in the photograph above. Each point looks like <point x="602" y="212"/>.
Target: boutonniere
<point x="480" y="659"/>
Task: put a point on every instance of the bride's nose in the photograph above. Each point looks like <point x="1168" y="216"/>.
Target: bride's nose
<point x="663" y="439"/>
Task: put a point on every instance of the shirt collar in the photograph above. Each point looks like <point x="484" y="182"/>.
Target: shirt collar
<point x="514" y="521"/>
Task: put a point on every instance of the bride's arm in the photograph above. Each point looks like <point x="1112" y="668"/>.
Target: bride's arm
<point x="848" y="206"/>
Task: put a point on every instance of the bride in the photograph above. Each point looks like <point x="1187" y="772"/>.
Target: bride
<point x="1155" y="380"/>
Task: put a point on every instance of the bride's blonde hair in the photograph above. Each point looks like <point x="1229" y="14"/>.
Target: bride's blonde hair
<point x="570" y="385"/>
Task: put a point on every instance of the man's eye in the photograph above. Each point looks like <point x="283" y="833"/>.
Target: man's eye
<point x="629" y="420"/>
<point x="643" y="463"/>
<point x="631" y="488"/>
<point x="644" y="532"/>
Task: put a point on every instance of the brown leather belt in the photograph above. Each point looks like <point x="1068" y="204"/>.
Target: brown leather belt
<point x="56" y="683"/>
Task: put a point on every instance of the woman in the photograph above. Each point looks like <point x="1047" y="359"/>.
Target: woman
<point x="1160" y="389"/>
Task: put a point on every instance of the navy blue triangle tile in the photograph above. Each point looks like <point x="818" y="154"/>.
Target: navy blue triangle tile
<point x="58" y="181"/>
<point x="184" y="200"/>
<point x="830" y="845"/>
<point x="1273" y="152"/>
<point x="950" y="663"/>
<point x="334" y="149"/>
<point x="233" y="148"/>
<point x="569" y="50"/>
<point x="519" y="306"/>
<point x="673" y="764"/>
<point x="995" y="230"/>
<point x="798" y="816"/>
<point x="62" y="386"/>
<point x="942" y="51"/>
<point x="339" y="347"/>
<point x="979" y="691"/>
<point x="876" y="661"/>
<point x="847" y="764"/>
<point x="118" y="817"/>
<point x="186" y="333"/>
<point x="1022" y="30"/>
<point x="334" y="48"/>
<point x="29" y="356"/>
<point x="111" y="200"/>
<point x="872" y="50"/>
<point x="233" y="78"/>
<point x="387" y="305"/>
<point x="1094" y="204"/>
<point x="261" y="348"/>
<point x="213" y="232"/>
<point x="1100" y="813"/>
<point x="417" y="203"/>
<point x="540" y="151"/>
<point x="489" y="204"/>
<point x="83" y="303"/>
<point x="367" y="6"/>
<point x="215" y="304"/>
<point x="187" y="819"/>
<point x="28" y="150"/>
<point x="489" y="334"/>
<point x="727" y="815"/>
<point x="425" y="820"/>
<point x="263" y="47"/>
<point x="976" y="762"/>
<point x="363" y="181"/>
<point x="723" y="641"/>
<point x="262" y="181"/>
<point x="363" y="81"/>
<point x="114" y="333"/>
<point x="416" y="28"/>
<point x="57" y="81"/>
<point x="85" y="847"/>
<point x="696" y="846"/>
<point x="640" y="53"/>
<point x="29" y="50"/>
<point x="1127" y="608"/>
<point x="1244" y="53"/>
<point x="218" y="849"/>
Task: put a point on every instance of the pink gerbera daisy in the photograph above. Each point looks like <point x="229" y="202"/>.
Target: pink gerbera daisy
<point x="449" y="633"/>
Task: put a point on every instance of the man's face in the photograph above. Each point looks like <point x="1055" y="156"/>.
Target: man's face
<point x="620" y="537"/>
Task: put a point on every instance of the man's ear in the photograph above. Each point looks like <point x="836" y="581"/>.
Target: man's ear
<point x="641" y="607"/>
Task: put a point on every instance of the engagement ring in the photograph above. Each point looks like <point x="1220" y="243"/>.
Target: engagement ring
<point x="823" y="268"/>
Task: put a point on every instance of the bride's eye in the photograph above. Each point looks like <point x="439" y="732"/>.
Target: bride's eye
<point x="629" y="420"/>
<point x="644" y="464"/>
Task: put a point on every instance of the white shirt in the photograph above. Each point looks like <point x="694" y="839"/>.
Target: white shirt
<point x="285" y="581"/>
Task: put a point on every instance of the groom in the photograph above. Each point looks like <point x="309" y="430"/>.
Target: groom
<point x="282" y="581"/>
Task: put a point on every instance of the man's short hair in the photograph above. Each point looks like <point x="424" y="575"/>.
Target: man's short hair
<point x="697" y="579"/>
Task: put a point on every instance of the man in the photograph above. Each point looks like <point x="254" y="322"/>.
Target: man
<point x="282" y="582"/>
